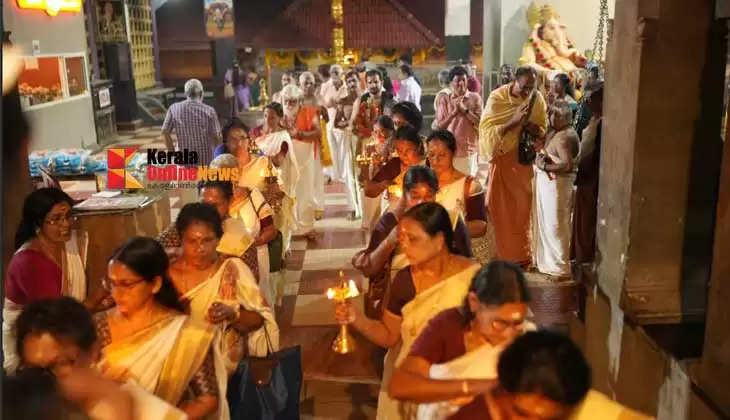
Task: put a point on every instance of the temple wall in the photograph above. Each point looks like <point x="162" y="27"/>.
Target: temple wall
<point x="581" y="17"/>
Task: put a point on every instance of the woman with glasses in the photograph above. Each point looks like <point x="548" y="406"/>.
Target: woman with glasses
<point x="49" y="260"/>
<point x="455" y="356"/>
<point x="437" y="278"/>
<point x="148" y="339"/>
<point x="220" y="290"/>
<point x="234" y="134"/>
<point x="461" y="195"/>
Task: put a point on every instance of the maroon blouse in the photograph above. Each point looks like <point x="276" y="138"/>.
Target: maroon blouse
<point x="32" y="276"/>
<point x="442" y="340"/>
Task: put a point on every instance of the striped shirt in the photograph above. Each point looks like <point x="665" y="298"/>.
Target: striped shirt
<point x="196" y="126"/>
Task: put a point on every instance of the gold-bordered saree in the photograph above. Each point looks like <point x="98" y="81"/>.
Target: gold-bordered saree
<point x="446" y="294"/>
<point x="162" y="358"/>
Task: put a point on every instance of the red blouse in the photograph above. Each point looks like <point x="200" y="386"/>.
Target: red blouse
<point x="443" y="338"/>
<point x="32" y="276"/>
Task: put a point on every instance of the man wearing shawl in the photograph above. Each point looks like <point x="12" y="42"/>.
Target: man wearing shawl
<point x="509" y="187"/>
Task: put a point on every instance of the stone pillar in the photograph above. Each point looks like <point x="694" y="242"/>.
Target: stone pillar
<point x="491" y="43"/>
<point x="661" y="151"/>
<point x="458" y="31"/>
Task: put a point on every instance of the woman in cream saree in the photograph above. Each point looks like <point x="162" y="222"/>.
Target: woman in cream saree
<point x="437" y="279"/>
<point x="455" y="356"/>
<point x="276" y="145"/>
<point x="146" y="339"/>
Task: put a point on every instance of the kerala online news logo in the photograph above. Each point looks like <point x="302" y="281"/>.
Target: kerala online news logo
<point x="162" y="166"/>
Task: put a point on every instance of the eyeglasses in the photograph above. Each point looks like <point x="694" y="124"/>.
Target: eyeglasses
<point x="58" y="219"/>
<point x="502" y="325"/>
<point x="109" y="285"/>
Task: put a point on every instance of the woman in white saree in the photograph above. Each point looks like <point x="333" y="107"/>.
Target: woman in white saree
<point x="462" y="195"/>
<point x="455" y="356"/>
<point x="49" y="261"/>
<point x="148" y="339"/>
<point x="276" y="144"/>
<point x="221" y="291"/>
<point x="437" y="279"/>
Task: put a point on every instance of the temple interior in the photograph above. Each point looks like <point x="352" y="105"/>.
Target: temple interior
<point x="290" y="209"/>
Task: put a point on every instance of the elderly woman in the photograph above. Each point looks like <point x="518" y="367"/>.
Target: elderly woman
<point x="219" y="194"/>
<point x="437" y="278"/>
<point x="461" y="195"/>
<point x="49" y="260"/>
<point x="148" y="339"/>
<point x="221" y="290"/>
<point x="234" y="133"/>
<point x="302" y="123"/>
<point x="276" y="144"/>
<point x="456" y="354"/>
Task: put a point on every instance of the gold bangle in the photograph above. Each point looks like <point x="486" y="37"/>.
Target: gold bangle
<point x="465" y="387"/>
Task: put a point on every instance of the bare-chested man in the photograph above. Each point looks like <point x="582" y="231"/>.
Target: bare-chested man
<point x="312" y="100"/>
<point x="553" y="201"/>
<point x="344" y="141"/>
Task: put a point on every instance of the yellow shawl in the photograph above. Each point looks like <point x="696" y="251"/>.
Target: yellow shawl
<point x="500" y="107"/>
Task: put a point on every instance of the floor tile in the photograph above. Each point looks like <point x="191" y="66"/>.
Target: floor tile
<point x="318" y="281"/>
<point x="327" y="259"/>
<point x="295" y="261"/>
<point x="333" y="239"/>
<point x="292" y="276"/>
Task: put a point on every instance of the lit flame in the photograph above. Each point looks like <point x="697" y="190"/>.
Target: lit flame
<point x="330" y="293"/>
<point x="352" y="289"/>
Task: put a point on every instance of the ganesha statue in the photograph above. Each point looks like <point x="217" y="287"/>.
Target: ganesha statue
<point x="548" y="48"/>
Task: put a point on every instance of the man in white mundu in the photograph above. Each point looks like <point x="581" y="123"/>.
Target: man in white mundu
<point x="302" y="123"/>
<point x="330" y="92"/>
<point x="311" y="99"/>
<point x="553" y="199"/>
<point x="339" y="104"/>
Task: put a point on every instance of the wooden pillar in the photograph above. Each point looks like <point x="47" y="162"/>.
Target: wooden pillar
<point x="660" y="158"/>
<point x="715" y="371"/>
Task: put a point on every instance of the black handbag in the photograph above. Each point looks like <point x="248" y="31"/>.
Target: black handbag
<point x="268" y="387"/>
<point x="276" y="252"/>
<point x="526" y="148"/>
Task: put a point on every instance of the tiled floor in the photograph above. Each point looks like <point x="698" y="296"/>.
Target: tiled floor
<point x="336" y="386"/>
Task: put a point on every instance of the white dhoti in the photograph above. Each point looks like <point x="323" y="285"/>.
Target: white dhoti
<point x="336" y="138"/>
<point x="551" y="227"/>
<point x="319" y="187"/>
<point x="305" y="190"/>
<point x="346" y="144"/>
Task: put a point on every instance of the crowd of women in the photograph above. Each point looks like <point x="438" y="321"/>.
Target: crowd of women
<point x="166" y="329"/>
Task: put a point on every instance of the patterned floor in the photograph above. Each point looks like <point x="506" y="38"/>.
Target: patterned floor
<point x="336" y="386"/>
